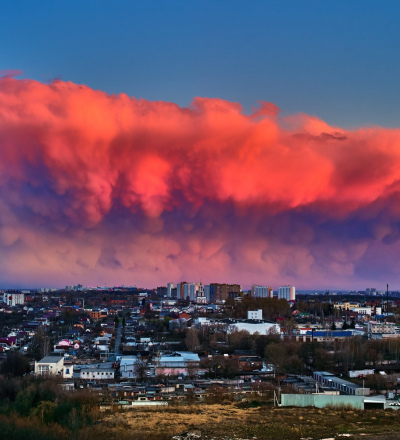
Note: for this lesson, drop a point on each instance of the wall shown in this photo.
(321, 400)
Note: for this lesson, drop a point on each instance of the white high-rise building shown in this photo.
(190, 290)
(12, 299)
(207, 292)
(287, 292)
(170, 286)
(261, 291)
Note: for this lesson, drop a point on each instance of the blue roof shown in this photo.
(332, 333)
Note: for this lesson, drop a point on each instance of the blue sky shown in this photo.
(338, 60)
(101, 190)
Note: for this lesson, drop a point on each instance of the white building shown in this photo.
(202, 320)
(50, 365)
(255, 314)
(380, 330)
(262, 292)
(12, 299)
(97, 373)
(367, 310)
(287, 292)
(127, 367)
(68, 371)
(190, 290)
(262, 328)
(173, 364)
(170, 286)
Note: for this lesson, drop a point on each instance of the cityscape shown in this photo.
(199, 220)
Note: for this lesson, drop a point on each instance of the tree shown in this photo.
(45, 411)
(15, 364)
(241, 340)
(276, 354)
(140, 366)
(376, 382)
(42, 342)
(322, 359)
(191, 370)
(227, 366)
(192, 339)
(263, 340)
(284, 357)
(207, 364)
(289, 325)
(220, 366)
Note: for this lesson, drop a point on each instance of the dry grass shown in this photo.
(230, 421)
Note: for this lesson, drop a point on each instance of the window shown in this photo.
(43, 369)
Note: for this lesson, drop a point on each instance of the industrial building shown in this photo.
(344, 386)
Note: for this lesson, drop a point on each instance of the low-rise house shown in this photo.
(176, 363)
(64, 344)
(127, 367)
(250, 363)
(68, 371)
(97, 372)
(53, 365)
(102, 343)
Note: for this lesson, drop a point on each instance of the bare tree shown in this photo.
(42, 341)
(192, 339)
(140, 366)
(192, 370)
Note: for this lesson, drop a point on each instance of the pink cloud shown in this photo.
(96, 186)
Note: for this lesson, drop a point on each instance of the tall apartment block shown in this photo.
(170, 286)
(287, 292)
(221, 292)
(262, 292)
(12, 299)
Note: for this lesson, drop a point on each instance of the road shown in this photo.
(118, 339)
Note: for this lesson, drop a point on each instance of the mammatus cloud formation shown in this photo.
(111, 189)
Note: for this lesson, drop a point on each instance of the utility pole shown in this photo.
(387, 301)
(363, 387)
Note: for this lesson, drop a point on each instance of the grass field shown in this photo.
(238, 421)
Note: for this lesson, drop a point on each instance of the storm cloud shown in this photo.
(98, 188)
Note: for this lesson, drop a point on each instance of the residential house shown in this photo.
(53, 365)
